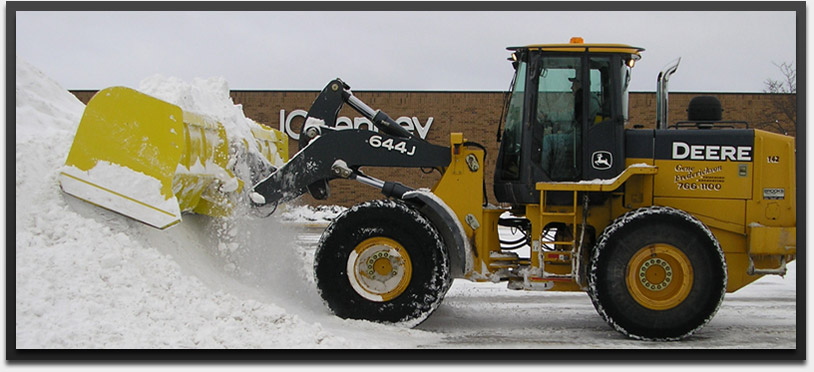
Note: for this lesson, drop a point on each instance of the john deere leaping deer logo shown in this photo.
(602, 160)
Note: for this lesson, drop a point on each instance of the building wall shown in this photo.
(476, 114)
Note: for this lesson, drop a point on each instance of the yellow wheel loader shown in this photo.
(656, 225)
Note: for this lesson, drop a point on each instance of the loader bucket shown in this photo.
(150, 160)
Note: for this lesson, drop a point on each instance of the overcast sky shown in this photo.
(721, 51)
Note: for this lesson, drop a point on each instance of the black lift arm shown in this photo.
(327, 153)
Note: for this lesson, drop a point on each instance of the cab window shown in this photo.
(559, 113)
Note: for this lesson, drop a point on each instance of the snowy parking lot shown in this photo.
(88, 278)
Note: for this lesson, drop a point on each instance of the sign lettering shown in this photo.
(411, 124)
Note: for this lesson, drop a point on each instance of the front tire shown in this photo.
(657, 273)
(382, 261)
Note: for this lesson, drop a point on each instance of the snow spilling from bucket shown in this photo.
(90, 278)
(209, 97)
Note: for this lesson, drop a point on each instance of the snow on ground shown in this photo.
(760, 316)
(90, 278)
(307, 215)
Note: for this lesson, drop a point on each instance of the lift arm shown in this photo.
(327, 153)
(326, 108)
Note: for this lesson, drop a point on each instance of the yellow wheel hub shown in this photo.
(379, 269)
(659, 276)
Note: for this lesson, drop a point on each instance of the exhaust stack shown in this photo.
(661, 94)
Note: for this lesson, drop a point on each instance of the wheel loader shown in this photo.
(655, 225)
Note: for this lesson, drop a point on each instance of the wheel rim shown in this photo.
(379, 269)
(659, 276)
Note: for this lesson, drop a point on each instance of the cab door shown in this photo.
(603, 156)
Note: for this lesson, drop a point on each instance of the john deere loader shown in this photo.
(655, 225)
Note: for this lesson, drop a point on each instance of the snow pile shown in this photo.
(43, 106)
(90, 278)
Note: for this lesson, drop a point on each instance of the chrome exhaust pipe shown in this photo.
(661, 94)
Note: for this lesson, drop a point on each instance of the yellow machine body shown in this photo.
(751, 213)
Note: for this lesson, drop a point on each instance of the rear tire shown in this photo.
(382, 261)
(657, 273)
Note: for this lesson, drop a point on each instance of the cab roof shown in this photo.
(578, 45)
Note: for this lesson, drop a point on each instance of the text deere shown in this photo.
(682, 151)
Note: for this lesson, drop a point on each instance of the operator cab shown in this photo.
(564, 116)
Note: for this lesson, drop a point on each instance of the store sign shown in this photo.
(412, 124)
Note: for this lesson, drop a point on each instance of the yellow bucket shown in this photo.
(152, 161)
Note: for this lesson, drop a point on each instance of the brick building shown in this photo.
(476, 114)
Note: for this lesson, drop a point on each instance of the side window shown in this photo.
(599, 105)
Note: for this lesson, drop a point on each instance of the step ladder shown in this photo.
(573, 246)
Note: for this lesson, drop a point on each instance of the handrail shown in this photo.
(599, 185)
